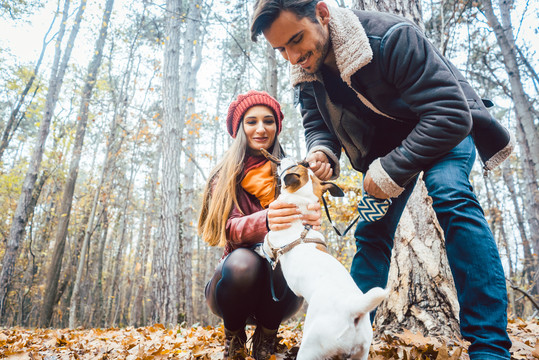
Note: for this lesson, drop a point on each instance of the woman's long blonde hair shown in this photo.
(220, 194)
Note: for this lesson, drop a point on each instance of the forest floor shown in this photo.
(205, 343)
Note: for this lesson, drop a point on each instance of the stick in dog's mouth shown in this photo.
(270, 157)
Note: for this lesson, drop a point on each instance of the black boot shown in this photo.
(264, 343)
(235, 344)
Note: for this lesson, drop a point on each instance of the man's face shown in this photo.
(300, 41)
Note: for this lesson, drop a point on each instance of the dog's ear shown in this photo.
(333, 189)
(270, 157)
(292, 181)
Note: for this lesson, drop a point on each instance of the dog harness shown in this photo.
(276, 252)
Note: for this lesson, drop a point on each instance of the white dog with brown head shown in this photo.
(337, 323)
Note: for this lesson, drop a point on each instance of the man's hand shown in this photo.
(281, 215)
(319, 164)
(372, 189)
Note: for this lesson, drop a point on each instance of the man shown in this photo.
(372, 84)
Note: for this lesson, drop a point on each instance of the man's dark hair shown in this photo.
(267, 11)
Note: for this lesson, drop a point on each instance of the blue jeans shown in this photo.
(471, 251)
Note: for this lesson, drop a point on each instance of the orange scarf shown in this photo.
(259, 181)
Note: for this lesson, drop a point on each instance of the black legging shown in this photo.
(239, 292)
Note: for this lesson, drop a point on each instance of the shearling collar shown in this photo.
(350, 45)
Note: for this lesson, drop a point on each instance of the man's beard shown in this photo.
(322, 49)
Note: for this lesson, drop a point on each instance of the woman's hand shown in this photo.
(281, 215)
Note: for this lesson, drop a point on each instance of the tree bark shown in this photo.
(531, 200)
(423, 295)
(529, 259)
(272, 72)
(408, 9)
(524, 109)
(20, 217)
(138, 314)
(98, 316)
(494, 213)
(192, 60)
(166, 292)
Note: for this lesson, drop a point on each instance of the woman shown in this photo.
(237, 212)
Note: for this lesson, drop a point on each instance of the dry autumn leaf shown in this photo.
(206, 343)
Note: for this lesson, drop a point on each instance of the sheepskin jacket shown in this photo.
(400, 79)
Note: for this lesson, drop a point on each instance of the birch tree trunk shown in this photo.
(138, 316)
(529, 259)
(192, 60)
(410, 9)
(423, 295)
(531, 199)
(166, 291)
(494, 212)
(20, 217)
(527, 129)
(272, 74)
(524, 109)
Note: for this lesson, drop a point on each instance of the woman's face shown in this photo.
(260, 128)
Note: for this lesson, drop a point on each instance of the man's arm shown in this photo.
(324, 149)
(430, 87)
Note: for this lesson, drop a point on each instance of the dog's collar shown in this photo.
(276, 252)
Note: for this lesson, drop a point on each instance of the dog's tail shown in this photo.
(372, 299)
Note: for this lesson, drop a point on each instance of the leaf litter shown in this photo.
(206, 343)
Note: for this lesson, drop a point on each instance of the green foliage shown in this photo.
(10, 189)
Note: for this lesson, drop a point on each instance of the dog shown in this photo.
(337, 323)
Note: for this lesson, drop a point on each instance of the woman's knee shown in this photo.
(242, 266)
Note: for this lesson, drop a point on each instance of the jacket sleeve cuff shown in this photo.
(383, 180)
(501, 155)
(333, 159)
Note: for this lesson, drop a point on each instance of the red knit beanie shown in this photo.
(244, 102)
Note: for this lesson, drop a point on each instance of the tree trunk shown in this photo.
(529, 259)
(408, 9)
(423, 295)
(98, 317)
(115, 288)
(523, 107)
(531, 200)
(192, 60)
(166, 290)
(20, 217)
(272, 73)
(494, 213)
(138, 314)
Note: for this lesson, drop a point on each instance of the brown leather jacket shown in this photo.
(247, 227)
